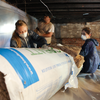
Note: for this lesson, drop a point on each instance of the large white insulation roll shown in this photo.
(36, 74)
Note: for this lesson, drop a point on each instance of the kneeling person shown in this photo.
(22, 37)
(89, 52)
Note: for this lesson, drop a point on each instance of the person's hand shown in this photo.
(40, 34)
(44, 46)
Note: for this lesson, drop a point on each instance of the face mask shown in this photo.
(24, 35)
(83, 37)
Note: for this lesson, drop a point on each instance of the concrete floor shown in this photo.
(88, 89)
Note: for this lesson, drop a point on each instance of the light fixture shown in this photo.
(86, 14)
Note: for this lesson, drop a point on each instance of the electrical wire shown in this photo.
(46, 7)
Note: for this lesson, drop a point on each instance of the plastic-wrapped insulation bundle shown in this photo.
(36, 74)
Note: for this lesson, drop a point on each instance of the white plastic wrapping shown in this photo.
(36, 74)
(88, 88)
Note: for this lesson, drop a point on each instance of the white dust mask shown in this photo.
(24, 35)
(83, 37)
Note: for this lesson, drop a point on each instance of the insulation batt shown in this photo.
(37, 74)
(71, 50)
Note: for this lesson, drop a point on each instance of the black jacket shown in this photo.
(29, 41)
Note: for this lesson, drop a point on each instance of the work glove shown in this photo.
(44, 46)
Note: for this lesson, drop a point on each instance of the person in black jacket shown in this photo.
(24, 38)
(89, 52)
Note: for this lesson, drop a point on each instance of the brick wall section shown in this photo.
(76, 42)
(70, 33)
(73, 41)
(73, 30)
(98, 47)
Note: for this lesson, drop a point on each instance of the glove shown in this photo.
(44, 46)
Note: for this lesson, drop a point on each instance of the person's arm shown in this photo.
(46, 35)
(13, 43)
(85, 50)
(50, 32)
(37, 39)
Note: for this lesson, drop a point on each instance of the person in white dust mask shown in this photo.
(24, 38)
(89, 52)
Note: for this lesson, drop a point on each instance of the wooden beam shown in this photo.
(68, 13)
(59, 1)
(62, 6)
(64, 10)
(97, 18)
(71, 1)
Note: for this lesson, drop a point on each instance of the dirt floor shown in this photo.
(88, 89)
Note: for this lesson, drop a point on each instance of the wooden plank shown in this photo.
(60, 6)
(58, 1)
(97, 18)
(68, 13)
(64, 10)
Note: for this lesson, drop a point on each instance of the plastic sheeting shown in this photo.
(8, 17)
(88, 89)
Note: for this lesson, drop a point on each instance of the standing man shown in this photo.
(46, 28)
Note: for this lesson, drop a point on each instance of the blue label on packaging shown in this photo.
(66, 55)
(22, 66)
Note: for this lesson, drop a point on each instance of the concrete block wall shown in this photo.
(70, 33)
